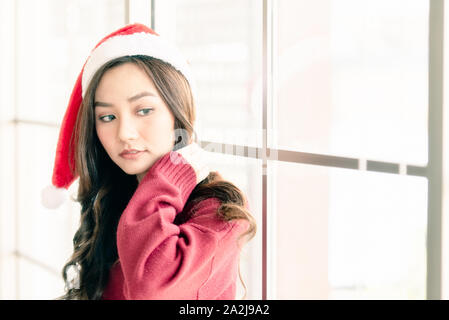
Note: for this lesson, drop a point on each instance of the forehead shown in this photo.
(123, 81)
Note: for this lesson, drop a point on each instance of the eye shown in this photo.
(146, 111)
(101, 118)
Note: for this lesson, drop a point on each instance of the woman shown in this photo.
(155, 222)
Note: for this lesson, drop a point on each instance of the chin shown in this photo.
(130, 168)
(133, 171)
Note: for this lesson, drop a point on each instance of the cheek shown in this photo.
(105, 138)
(150, 134)
(161, 133)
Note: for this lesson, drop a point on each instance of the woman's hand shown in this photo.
(195, 156)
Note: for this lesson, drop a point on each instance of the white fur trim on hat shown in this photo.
(52, 197)
(139, 43)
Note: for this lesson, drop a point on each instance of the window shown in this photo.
(335, 94)
(327, 114)
(350, 80)
(226, 59)
(48, 42)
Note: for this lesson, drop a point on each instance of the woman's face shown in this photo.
(130, 114)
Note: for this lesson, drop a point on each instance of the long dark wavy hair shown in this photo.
(105, 189)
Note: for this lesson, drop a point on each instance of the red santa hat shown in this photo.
(133, 39)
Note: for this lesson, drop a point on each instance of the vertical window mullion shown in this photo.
(152, 15)
(434, 213)
(16, 151)
(270, 144)
(266, 68)
(126, 11)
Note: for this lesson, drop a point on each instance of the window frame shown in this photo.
(433, 171)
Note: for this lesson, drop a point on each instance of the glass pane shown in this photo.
(226, 63)
(245, 173)
(351, 78)
(43, 234)
(7, 60)
(8, 276)
(36, 283)
(356, 234)
(7, 213)
(54, 39)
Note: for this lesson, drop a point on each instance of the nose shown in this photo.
(127, 130)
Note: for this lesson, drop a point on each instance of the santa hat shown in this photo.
(133, 39)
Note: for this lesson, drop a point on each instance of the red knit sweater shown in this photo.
(158, 259)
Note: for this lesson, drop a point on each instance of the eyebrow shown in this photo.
(131, 99)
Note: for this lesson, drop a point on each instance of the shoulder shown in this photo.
(204, 215)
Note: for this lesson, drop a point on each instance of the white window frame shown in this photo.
(433, 171)
(144, 11)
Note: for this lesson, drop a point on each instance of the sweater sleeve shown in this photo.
(159, 259)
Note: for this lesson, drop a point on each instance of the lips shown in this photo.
(131, 155)
(129, 151)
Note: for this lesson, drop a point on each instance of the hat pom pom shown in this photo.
(52, 197)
